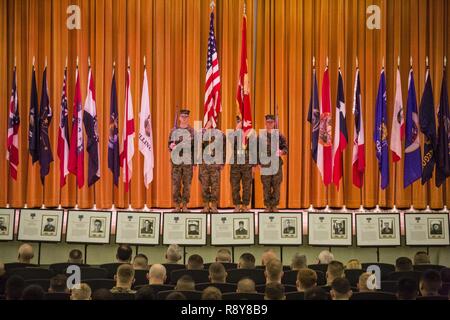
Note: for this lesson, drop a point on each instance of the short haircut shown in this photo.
(211, 293)
(185, 283)
(307, 278)
(157, 271)
(14, 287)
(124, 252)
(83, 292)
(75, 256)
(145, 293)
(431, 281)
(274, 269)
(335, 269)
(247, 261)
(223, 255)
(58, 283)
(299, 262)
(274, 291)
(403, 264)
(176, 296)
(421, 257)
(140, 261)
(33, 292)
(316, 293)
(125, 273)
(353, 264)
(407, 289)
(217, 272)
(102, 295)
(341, 286)
(173, 253)
(195, 262)
(246, 285)
(141, 256)
(325, 257)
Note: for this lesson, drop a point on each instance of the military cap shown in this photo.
(185, 112)
(270, 117)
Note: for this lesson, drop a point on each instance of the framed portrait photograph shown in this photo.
(184, 229)
(427, 229)
(330, 229)
(92, 227)
(280, 229)
(140, 228)
(40, 225)
(378, 229)
(7, 222)
(232, 229)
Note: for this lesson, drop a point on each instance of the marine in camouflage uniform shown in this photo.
(182, 173)
(272, 183)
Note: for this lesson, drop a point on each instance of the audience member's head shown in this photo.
(363, 283)
(316, 293)
(157, 274)
(75, 256)
(140, 262)
(274, 291)
(430, 283)
(14, 288)
(420, 258)
(223, 255)
(102, 295)
(268, 255)
(25, 253)
(185, 283)
(335, 270)
(33, 292)
(407, 289)
(246, 285)
(195, 262)
(353, 264)
(274, 271)
(325, 257)
(306, 279)
(176, 296)
(217, 273)
(211, 293)
(58, 284)
(247, 261)
(173, 254)
(124, 276)
(298, 262)
(145, 293)
(84, 292)
(340, 289)
(403, 264)
(124, 253)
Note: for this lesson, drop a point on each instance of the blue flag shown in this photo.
(314, 116)
(33, 131)
(413, 156)
(113, 143)
(45, 148)
(443, 157)
(381, 132)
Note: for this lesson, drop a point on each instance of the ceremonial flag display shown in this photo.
(12, 153)
(413, 157)
(243, 92)
(127, 153)
(443, 157)
(340, 136)
(91, 127)
(146, 134)
(45, 118)
(113, 141)
(76, 152)
(33, 131)
(381, 132)
(398, 122)
(314, 116)
(359, 152)
(213, 104)
(63, 135)
(428, 128)
(324, 154)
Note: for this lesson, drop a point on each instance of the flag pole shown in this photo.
(66, 61)
(89, 62)
(427, 62)
(398, 62)
(445, 61)
(145, 62)
(357, 63)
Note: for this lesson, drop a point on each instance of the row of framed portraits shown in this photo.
(144, 228)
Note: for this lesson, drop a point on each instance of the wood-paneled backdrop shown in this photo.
(283, 37)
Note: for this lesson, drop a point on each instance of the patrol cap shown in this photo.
(270, 117)
(185, 112)
(50, 219)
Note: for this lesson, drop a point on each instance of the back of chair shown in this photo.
(111, 268)
(199, 276)
(389, 286)
(60, 268)
(287, 288)
(226, 265)
(18, 265)
(96, 284)
(33, 273)
(190, 295)
(445, 290)
(57, 296)
(433, 298)
(373, 296)
(43, 283)
(290, 277)
(156, 287)
(243, 296)
(385, 268)
(425, 267)
(396, 276)
(140, 277)
(93, 273)
(256, 275)
(223, 287)
(353, 275)
(172, 267)
(295, 296)
(123, 296)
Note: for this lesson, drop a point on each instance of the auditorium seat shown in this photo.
(433, 298)
(140, 277)
(385, 268)
(373, 296)
(256, 275)
(2, 297)
(32, 273)
(396, 276)
(172, 267)
(425, 267)
(287, 288)
(328, 288)
(96, 284)
(243, 296)
(93, 273)
(123, 296)
(223, 287)
(285, 268)
(190, 295)
(290, 277)
(57, 296)
(60, 268)
(295, 296)
(43, 283)
(445, 289)
(445, 275)
(226, 265)
(389, 286)
(111, 269)
(319, 267)
(199, 276)
(352, 275)
(18, 265)
(157, 288)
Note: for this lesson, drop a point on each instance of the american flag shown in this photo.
(13, 131)
(213, 103)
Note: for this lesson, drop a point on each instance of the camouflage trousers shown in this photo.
(271, 187)
(181, 183)
(241, 173)
(209, 176)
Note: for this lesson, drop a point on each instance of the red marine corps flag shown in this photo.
(324, 156)
(12, 153)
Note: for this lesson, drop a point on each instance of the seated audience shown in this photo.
(176, 296)
(124, 279)
(25, 254)
(407, 289)
(340, 289)
(173, 254)
(274, 271)
(403, 264)
(430, 283)
(211, 293)
(325, 257)
(246, 285)
(140, 262)
(298, 262)
(185, 283)
(58, 284)
(157, 275)
(217, 273)
(124, 253)
(274, 291)
(83, 292)
(316, 293)
(145, 293)
(75, 257)
(195, 262)
(102, 295)
(3, 278)
(246, 261)
(353, 264)
(268, 255)
(363, 283)
(224, 256)
(14, 288)
(421, 258)
(335, 270)
(306, 279)
(33, 292)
